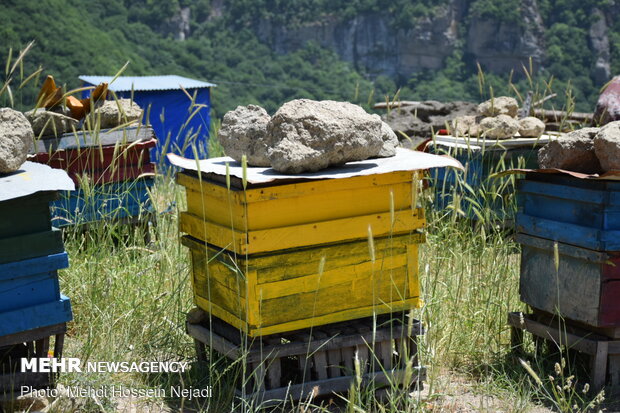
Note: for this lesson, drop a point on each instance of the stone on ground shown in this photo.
(311, 135)
(244, 132)
(607, 146)
(531, 127)
(574, 152)
(16, 139)
(499, 127)
(502, 105)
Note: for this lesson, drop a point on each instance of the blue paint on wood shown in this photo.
(575, 211)
(582, 236)
(41, 315)
(28, 246)
(30, 282)
(563, 203)
(34, 266)
(476, 187)
(29, 290)
(103, 202)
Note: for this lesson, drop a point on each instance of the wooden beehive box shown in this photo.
(102, 164)
(286, 290)
(265, 241)
(581, 212)
(25, 228)
(585, 287)
(30, 294)
(276, 217)
(31, 251)
(111, 201)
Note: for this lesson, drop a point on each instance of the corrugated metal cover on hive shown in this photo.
(127, 83)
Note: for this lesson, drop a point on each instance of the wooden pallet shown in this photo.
(316, 361)
(29, 344)
(604, 352)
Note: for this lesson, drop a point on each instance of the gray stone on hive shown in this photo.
(574, 152)
(531, 127)
(501, 105)
(499, 127)
(311, 135)
(390, 141)
(16, 139)
(244, 132)
(46, 123)
(118, 112)
(607, 146)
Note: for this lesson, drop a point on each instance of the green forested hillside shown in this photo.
(99, 36)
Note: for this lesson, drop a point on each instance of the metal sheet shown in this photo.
(31, 178)
(492, 144)
(138, 83)
(404, 160)
(610, 176)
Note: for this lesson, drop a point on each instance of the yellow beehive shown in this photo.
(299, 288)
(256, 252)
(282, 216)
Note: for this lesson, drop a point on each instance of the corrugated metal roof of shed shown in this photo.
(167, 82)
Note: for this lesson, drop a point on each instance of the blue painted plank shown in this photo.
(37, 316)
(586, 237)
(596, 208)
(560, 179)
(34, 266)
(28, 246)
(26, 291)
(571, 193)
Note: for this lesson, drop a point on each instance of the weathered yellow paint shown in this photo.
(296, 236)
(279, 300)
(412, 265)
(291, 205)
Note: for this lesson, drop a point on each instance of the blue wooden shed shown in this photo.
(177, 124)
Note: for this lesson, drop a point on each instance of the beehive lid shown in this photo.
(475, 143)
(404, 160)
(31, 178)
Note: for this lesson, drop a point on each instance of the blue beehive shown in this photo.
(581, 212)
(105, 202)
(165, 99)
(31, 250)
(476, 186)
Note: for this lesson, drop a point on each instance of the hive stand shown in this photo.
(316, 361)
(604, 352)
(28, 344)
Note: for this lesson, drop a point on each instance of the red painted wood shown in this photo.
(105, 176)
(92, 159)
(611, 269)
(610, 303)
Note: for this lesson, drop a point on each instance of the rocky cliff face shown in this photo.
(599, 42)
(371, 42)
(503, 46)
